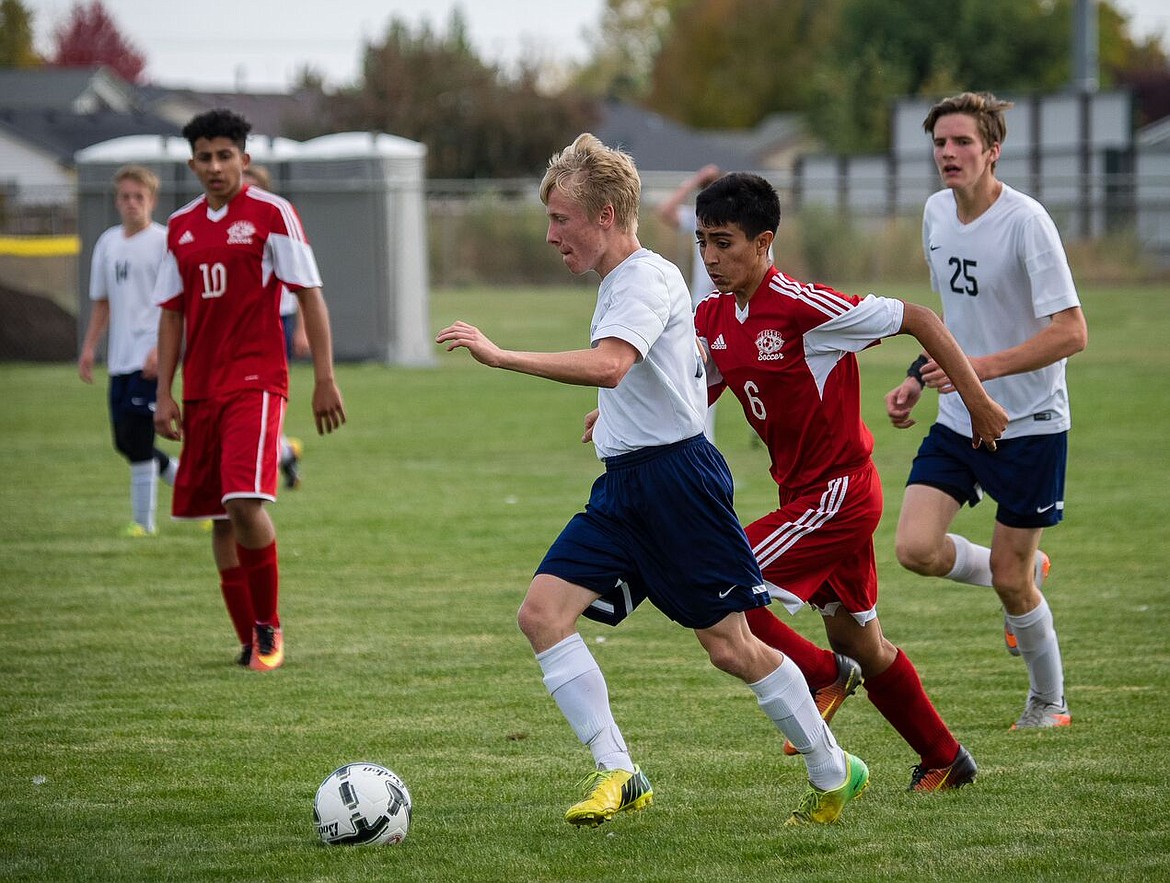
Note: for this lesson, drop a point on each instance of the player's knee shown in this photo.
(721, 657)
(538, 620)
(744, 661)
(916, 556)
(527, 619)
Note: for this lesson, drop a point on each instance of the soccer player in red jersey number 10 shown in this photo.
(228, 253)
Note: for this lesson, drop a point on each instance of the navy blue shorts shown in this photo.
(660, 524)
(131, 399)
(1025, 476)
(132, 395)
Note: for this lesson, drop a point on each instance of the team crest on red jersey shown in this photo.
(769, 343)
(241, 233)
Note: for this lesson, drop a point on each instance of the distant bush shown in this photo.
(495, 239)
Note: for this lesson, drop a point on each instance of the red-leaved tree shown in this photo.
(90, 37)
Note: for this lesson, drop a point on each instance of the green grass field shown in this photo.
(133, 749)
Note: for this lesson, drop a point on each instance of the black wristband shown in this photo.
(915, 370)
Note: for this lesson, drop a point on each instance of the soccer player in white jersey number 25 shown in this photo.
(1008, 296)
(659, 523)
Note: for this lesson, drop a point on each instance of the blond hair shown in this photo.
(259, 175)
(594, 176)
(140, 174)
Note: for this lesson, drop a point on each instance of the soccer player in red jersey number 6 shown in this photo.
(787, 352)
(228, 253)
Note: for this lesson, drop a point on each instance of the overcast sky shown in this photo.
(260, 44)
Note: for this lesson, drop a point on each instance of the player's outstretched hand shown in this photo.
(328, 409)
(461, 334)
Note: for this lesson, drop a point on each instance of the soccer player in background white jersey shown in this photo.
(126, 258)
(1008, 296)
(678, 213)
(659, 522)
(229, 252)
(788, 352)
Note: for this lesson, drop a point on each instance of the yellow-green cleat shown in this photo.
(819, 807)
(608, 792)
(136, 531)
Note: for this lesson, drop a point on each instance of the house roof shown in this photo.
(662, 145)
(270, 113)
(1155, 136)
(61, 134)
(65, 89)
(658, 144)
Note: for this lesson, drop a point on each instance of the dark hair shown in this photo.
(218, 123)
(740, 198)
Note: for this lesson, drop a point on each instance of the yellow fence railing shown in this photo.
(39, 246)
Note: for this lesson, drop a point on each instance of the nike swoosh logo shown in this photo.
(726, 592)
(935, 247)
(1043, 509)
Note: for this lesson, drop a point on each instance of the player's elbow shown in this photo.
(610, 375)
(611, 364)
(1076, 331)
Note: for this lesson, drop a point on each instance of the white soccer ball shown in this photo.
(361, 804)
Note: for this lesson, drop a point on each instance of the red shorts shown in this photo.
(817, 548)
(231, 449)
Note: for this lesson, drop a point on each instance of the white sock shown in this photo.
(785, 698)
(1036, 636)
(574, 680)
(972, 562)
(168, 475)
(144, 492)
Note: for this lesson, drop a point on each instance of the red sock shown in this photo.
(234, 584)
(899, 695)
(819, 666)
(263, 581)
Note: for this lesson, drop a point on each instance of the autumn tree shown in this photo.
(89, 37)
(920, 47)
(730, 63)
(624, 47)
(16, 36)
(476, 121)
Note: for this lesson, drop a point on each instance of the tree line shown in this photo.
(710, 64)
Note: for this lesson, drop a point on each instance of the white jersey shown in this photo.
(123, 272)
(1001, 278)
(663, 397)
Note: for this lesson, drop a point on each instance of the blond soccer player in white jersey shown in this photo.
(126, 258)
(1008, 296)
(659, 523)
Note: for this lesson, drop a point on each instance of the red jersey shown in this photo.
(223, 271)
(789, 357)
